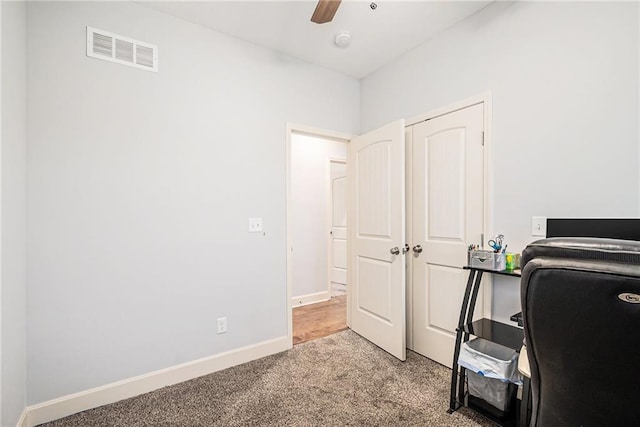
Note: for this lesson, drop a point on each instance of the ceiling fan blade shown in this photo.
(325, 11)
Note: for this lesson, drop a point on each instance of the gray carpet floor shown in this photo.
(339, 380)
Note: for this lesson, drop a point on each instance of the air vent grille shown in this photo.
(144, 56)
(102, 45)
(123, 50)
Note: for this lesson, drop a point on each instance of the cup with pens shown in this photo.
(494, 259)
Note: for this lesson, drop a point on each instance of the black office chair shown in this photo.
(581, 310)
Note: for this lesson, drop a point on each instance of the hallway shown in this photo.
(318, 320)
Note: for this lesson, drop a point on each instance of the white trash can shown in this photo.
(491, 369)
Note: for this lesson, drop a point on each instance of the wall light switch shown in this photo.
(255, 225)
(222, 325)
(539, 226)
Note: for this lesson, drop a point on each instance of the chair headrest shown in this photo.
(589, 248)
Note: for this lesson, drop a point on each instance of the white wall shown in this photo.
(13, 190)
(140, 187)
(564, 78)
(310, 177)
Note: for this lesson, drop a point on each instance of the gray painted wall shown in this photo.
(13, 212)
(140, 187)
(564, 78)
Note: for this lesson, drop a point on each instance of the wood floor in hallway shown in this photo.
(319, 320)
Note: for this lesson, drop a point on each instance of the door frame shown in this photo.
(330, 216)
(483, 98)
(293, 128)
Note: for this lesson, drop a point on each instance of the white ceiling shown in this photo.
(377, 36)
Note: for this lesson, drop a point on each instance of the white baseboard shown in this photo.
(110, 393)
(22, 421)
(310, 299)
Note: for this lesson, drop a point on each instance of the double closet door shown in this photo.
(415, 203)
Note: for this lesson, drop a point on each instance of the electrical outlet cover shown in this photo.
(539, 226)
(255, 225)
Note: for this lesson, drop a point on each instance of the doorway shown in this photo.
(316, 232)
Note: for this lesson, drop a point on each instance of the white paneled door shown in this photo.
(448, 210)
(338, 222)
(376, 207)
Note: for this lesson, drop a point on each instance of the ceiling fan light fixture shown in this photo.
(343, 38)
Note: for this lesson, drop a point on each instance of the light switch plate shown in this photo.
(255, 225)
(222, 325)
(539, 226)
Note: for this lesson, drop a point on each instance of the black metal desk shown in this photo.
(500, 333)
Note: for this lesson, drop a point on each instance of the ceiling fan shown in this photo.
(325, 11)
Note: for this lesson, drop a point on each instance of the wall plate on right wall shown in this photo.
(539, 226)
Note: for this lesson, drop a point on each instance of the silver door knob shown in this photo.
(395, 251)
(405, 249)
(417, 249)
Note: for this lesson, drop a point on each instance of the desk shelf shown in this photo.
(490, 330)
(499, 333)
(512, 273)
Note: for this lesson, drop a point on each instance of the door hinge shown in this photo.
(482, 241)
(483, 138)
